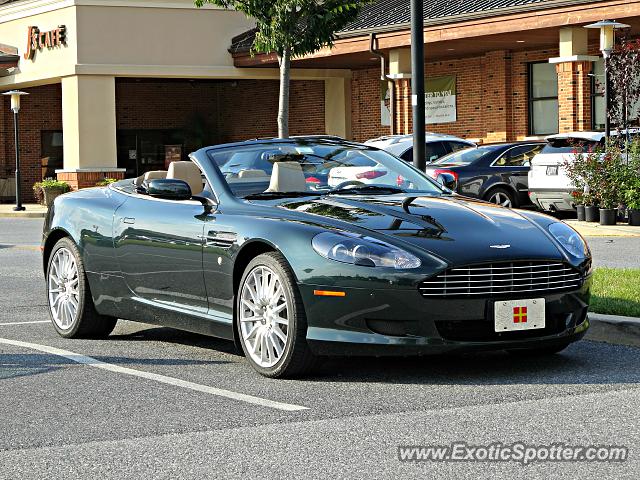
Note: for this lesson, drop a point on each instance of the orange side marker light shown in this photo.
(328, 293)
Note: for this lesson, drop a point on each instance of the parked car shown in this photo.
(437, 145)
(495, 172)
(292, 271)
(549, 187)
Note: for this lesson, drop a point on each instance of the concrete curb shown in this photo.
(614, 329)
(25, 214)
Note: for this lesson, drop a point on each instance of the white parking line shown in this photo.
(24, 323)
(93, 362)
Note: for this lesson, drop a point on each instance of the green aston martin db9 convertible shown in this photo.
(300, 248)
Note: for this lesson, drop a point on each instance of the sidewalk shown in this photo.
(614, 329)
(33, 210)
(589, 229)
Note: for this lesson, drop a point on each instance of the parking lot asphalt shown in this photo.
(152, 402)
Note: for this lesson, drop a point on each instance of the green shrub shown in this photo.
(106, 181)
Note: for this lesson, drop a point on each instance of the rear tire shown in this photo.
(502, 196)
(271, 321)
(71, 307)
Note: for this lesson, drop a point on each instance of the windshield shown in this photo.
(466, 156)
(316, 167)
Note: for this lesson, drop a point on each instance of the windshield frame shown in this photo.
(209, 152)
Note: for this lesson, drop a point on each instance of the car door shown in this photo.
(515, 165)
(432, 152)
(158, 245)
(220, 246)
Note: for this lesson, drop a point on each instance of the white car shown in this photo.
(436, 145)
(549, 187)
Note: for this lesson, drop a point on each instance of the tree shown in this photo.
(292, 28)
(624, 74)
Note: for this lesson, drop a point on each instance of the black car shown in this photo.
(496, 172)
(293, 270)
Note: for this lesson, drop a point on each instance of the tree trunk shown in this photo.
(283, 103)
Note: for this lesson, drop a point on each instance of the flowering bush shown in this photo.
(49, 184)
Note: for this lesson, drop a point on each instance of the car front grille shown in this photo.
(502, 278)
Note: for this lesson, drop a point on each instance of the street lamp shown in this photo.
(15, 107)
(607, 41)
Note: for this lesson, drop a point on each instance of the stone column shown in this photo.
(89, 130)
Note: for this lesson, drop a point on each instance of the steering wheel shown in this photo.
(349, 183)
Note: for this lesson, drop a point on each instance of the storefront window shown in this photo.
(51, 153)
(140, 151)
(543, 99)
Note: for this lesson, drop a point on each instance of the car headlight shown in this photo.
(361, 250)
(569, 239)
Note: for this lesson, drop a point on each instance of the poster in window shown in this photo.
(385, 103)
(440, 99)
(172, 153)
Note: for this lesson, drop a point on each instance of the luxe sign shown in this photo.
(37, 40)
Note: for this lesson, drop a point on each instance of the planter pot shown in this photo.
(580, 211)
(50, 195)
(608, 216)
(634, 218)
(591, 213)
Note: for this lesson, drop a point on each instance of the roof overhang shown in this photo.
(525, 29)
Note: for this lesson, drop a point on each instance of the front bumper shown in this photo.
(402, 322)
(552, 200)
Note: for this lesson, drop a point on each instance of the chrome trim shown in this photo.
(502, 277)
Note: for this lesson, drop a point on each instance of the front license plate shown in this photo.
(511, 315)
(552, 170)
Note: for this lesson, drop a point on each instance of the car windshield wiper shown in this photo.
(272, 195)
(366, 189)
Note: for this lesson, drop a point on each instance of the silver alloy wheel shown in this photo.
(62, 283)
(264, 316)
(500, 198)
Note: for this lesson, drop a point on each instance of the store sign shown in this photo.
(37, 40)
(440, 99)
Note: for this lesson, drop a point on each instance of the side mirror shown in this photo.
(447, 180)
(167, 188)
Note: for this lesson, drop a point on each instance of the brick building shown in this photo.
(132, 83)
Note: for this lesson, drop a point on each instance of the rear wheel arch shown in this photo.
(53, 238)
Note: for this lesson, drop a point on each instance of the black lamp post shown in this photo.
(15, 107)
(607, 42)
(417, 83)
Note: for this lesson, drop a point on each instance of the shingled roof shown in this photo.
(394, 13)
(384, 15)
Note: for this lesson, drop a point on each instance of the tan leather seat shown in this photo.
(188, 172)
(287, 177)
(155, 174)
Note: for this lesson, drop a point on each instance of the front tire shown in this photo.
(271, 320)
(71, 307)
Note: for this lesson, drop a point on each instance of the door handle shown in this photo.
(129, 220)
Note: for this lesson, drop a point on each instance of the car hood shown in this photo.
(457, 229)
